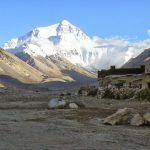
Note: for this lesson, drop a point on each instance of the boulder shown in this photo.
(78, 103)
(88, 91)
(92, 91)
(146, 117)
(122, 116)
(137, 120)
(65, 95)
(73, 106)
(82, 90)
(57, 103)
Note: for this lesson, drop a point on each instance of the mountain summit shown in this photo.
(66, 41)
(58, 52)
(62, 39)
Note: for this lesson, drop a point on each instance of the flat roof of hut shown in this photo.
(121, 71)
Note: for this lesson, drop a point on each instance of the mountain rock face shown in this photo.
(43, 47)
(39, 69)
(55, 66)
(141, 59)
(60, 40)
(57, 52)
(64, 40)
(12, 66)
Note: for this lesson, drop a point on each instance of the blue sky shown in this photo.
(104, 18)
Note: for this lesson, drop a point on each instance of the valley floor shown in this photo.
(27, 124)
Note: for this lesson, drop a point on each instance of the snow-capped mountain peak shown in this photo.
(65, 22)
(70, 42)
(63, 39)
(66, 27)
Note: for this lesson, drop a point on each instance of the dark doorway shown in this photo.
(148, 85)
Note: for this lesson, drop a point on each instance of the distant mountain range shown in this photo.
(62, 52)
(60, 40)
(66, 41)
(141, 59)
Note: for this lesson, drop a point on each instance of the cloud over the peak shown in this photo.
(117, 51)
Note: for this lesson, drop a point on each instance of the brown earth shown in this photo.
(27, 124)
(38, 70)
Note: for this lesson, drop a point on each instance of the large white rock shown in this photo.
(73, 106)
(56, 103)
(137, 120)
(146, 117)
(122, 116)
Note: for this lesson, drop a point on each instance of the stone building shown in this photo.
(146, 80)
(124, 77)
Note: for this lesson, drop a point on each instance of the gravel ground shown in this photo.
(27, 124)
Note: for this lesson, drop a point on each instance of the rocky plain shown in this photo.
(26, 123)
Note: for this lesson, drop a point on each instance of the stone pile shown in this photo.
(88, 91)
(65, 101)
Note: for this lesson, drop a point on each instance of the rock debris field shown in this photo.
(26, 123)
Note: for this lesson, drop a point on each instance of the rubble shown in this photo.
(65, 101)
(146, 117)
(88, 91)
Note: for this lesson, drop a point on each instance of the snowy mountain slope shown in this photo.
(55, 67)
(63, 39)
(67, 41)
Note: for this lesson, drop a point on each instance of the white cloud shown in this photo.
(117, 51)
(148, 32)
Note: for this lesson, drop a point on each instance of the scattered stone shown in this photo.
(68, 94)
(92, 91)
(79, 103)
(73, 106)
(61, 103)
(88, 91)
(146, 117)
(82, 90)
(65, 95)
(57, 103)
(137, 120)
(76, 94)
(62, 95)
